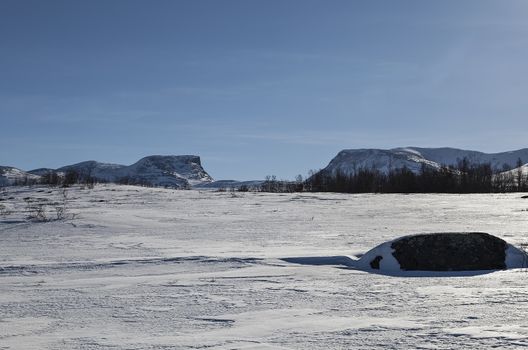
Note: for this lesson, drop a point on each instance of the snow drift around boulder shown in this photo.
(436, 254)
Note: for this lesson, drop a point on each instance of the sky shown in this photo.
(256, 88)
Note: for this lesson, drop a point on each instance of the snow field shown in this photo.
(143, 268)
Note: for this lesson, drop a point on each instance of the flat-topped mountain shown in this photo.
(171, 171)
(166, 171)
(414, 158)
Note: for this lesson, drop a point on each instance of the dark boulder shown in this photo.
(450, 252)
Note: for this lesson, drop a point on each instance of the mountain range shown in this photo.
(165, 171)
(186, 171)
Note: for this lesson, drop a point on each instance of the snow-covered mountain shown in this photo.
(514, 173)
(11, 176)
(181, 171)
(450, 156)
(171, 171)
(413, 158)
(91, 168)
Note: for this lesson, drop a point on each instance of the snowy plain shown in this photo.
(147, 268)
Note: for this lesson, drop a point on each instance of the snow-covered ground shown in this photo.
(143, 268)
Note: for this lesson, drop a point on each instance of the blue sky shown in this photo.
(258, 87)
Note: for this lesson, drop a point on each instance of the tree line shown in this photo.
(465, 177)
(54, 179)
(73, 177)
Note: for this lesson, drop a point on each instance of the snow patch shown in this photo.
(387, 263)
(515, 258)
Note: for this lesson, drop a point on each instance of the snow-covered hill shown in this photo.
(413, 158)
(11, 176)
(101, 171)
(523, 169)
(451, 156)
(171, 171)
(42, 171)
(516, 174)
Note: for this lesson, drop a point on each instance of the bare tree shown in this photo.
(61, 206)
(519, 175)
(36, 210)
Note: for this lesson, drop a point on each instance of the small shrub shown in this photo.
(4, 211)
(61, 207)
(60, 211)
(37, 212)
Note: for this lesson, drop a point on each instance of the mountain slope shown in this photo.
(180, 171)
(42, 171)
(91, 168)
(450, 156)
(413, 158)
(11, 176)
(517, 174)
(168, 171)
(352, 160)
(172, 171)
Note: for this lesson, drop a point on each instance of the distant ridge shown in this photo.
(185, 171)
(180, 171)
(414, 158)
